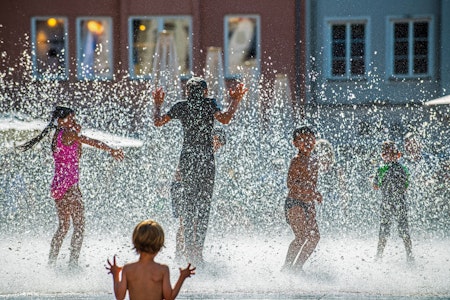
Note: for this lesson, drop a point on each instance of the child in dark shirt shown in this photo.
(177, 193)
(197, 115)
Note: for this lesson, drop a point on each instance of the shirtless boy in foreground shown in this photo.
(146, 279)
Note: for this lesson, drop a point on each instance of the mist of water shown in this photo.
(248, 236)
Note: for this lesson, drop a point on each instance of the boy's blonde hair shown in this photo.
(148, 236)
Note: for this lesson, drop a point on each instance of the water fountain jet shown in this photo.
(248, 234)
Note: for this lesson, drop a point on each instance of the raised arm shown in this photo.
(236, 97)
(158, 99)
(75, 136)
(170, 293)
(120, 285)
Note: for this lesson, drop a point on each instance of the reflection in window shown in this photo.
(49, 53)
(348, 49)
(143, 37)
(242, 45)
(94, 48)
(411, 48)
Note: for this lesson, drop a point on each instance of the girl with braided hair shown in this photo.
(66, 150)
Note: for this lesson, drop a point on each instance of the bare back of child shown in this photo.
(145, 278)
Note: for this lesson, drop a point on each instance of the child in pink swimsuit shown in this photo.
(66, 167)
(66, 148)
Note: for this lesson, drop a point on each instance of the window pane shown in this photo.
(401, 48)
(357, 63)
(411, 55)
(95, 50)
(338, 50)
(357, 67)
(420, 66)
(338, 67)
(181, 31)
(357, 31)
(144, 41)
(421, 30)
(421, 48)
(49, 45)
(243, 46)
(401, 30)
(338, 32)
(357, 49)
(345, 63)
(145, 35)
(401, 66)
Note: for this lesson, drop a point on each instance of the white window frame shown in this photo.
(390, 57)
(110, 56)
(160, 21)
(328, 40)
(35, 72)
(228, 75)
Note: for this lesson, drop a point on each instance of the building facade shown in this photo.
(364, 52)
(371, 66)
(370, 61)
(106, 41)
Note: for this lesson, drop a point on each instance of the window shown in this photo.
(144, 32)
(411, 48)
(49, 47)
(348, 49)
(94, 48)
(242, 44)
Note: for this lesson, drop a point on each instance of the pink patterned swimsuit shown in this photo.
(66, 167)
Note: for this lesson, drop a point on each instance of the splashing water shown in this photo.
(248, 236)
